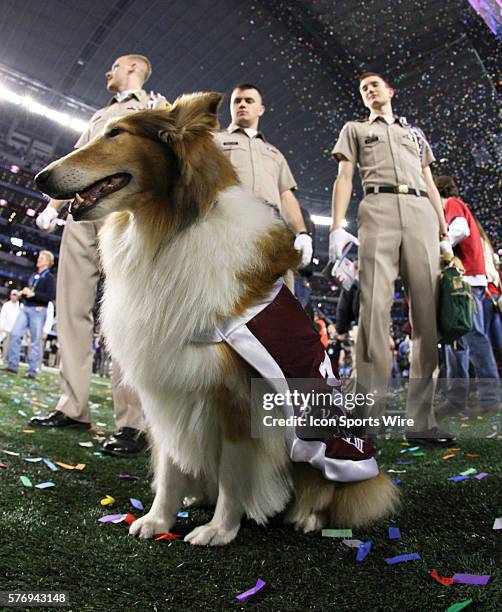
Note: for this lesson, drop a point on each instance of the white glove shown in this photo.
(46, 220)
(446, 250)
(303, 243)
(338, 240)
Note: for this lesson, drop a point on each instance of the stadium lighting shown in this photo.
(30, 212)
(14, 169)
(18, 242)
(10, 96)
(3, 202)
(33, 106)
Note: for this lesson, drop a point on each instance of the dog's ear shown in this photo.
(192, 114)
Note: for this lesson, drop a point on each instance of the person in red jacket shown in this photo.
(474, 347)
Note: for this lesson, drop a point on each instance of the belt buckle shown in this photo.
(402, 189)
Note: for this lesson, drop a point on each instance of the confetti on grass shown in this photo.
(469, 472)
(336, 533)
(33, 459)
(135, 503)
(26, 481)
(128, 477)
(402, 558)
(249, 593)
(458, 478)
(112, 518)
(2, 465)
(394, 533)
(50, 465)
(481, 475)
(498, 523)
(352, 543)
(476, 579)
(363, 551)
(456, 607)
(45, 485)
(182, 515)
(107, 501)
(441, 579)
(167, 536)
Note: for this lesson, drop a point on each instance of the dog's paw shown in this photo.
(149, 525)
(211, 535)
(311, 522)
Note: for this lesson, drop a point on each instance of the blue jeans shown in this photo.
(474, 347)
(32, 318)
(493, 323)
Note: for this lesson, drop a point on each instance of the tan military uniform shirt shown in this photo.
(137, 100)
(386, 154)
(261, 167)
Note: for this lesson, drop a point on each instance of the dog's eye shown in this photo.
(114, 132)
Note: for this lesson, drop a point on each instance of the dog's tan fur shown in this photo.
(184, 247)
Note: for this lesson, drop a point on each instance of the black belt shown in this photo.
(399, 189)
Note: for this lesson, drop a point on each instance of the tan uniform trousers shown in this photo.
(398, 235)
(77, 280)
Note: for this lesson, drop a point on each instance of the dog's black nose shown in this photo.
(42, 178)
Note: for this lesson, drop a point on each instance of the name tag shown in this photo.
(371, 139)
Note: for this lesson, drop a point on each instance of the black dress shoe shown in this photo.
(9, 370)
(431, 437)
(125, 441)
(57, 418)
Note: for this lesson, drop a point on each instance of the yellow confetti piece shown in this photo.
(28, 431)
(107, 501)
(80, 466)
(453, 449)
(405, 443)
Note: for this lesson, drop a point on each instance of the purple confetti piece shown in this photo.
(135, 503)
(481, 475)
(247, 594)
(363, 551)
(128, 477)
(45, 485)
(471, 579)
(396, 481)
(402, 558)
(404, 462)
(394, 533)
(50, 465)
(458, 478)
(112, 518)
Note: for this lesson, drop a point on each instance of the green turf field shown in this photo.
(51, 540)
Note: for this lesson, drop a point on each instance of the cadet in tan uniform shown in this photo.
(77, 280)
(261, 167)
(402, 230)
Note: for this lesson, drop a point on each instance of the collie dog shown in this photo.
(184, 248)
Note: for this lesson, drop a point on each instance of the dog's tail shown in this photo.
(357, 504)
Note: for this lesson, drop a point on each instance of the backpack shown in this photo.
(456, 306)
